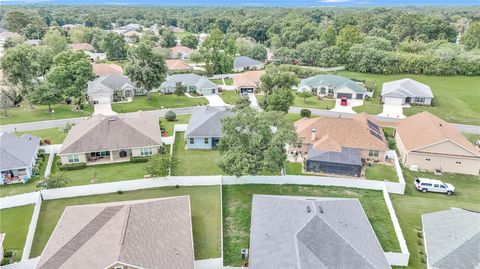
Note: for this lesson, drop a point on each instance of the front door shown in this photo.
(215, 141)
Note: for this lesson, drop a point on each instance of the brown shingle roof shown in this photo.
(182, 49)
(106, 69)
(248, 79)
(155, 233)
(333, 133)
(177, 65)
(425, 129)
(81, 46)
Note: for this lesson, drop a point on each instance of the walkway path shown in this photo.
(253, 101)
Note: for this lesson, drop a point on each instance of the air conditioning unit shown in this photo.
(244, 253)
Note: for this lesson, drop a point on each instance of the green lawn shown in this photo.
(157, 102)
(55, 135)
(410, 206)
(313, 102)
(293, 117)
(181, 35)
(237, 203)
(14, 224)
(40, 113)
(381, 172)
(294, 169)
(169, 125)
(205, 206)
(472, 137)
(228, 81)
(217, 81)
(456, 98)
(230, 97)
(194, 162)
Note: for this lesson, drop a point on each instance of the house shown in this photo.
(452, 239)
(95, 56)
(290, 232)
(81, 46)
(109, 139)
(193, 82)
(132, 36)
(334, 86)
(111, 88)
(204, 128)
(106, 69)
(202, 37)
(122, 30)
(429, 143)
(406, 91)
(243, 63)
(247, 82)
(177, 65)
(18, 156)
(339, 145)
(154, 234)
(181, 52)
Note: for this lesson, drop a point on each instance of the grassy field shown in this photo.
(205, 206)
(169, 125)
(230, 97)
(294, 169)
(456, 98)
(14, 224)
(157, 102)
(194, 162)
(55, 135)
(237, 203)
(40, 113)
(410, 206)
(313, 102)
(381, 172)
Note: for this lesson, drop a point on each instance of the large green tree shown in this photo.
(218, 52)
(55, 40)
(190, 41)
(48, 94)
(36, 29)
(258, 52)
(17, 20)
(349, 36)
(471, 38)
(168, 39)
(114, 46)
(275, 79)
(159, 165)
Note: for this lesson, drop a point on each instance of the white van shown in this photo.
(433, 185)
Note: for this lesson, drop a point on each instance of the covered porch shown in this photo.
(12, 176)
(108, 156)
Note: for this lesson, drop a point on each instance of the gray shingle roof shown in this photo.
(244, 61)
(17, 152)
(155, 234)
(207, 122)
(190, 80)
(108, 84)
(333, 81)
(334, 234)
(452, 239)
(406, 88)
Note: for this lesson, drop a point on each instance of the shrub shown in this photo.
(162, 149)
(139, 159)
(170, 116)
(68, 101)
(120, 192)
(41, 153)
(35, 170)
(8, 254)
(57, 180)
(5, 261)
(72, 166)
(305, 113)
(81, 106)
(47, 141)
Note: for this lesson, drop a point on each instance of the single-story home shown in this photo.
(128, 28)
(177, 65)
(108, 139)
(18, 156)
(293, 232)
(81, 46)
(452, 239)
(426, 142)
(406, 91)
(153, 233)
(181, 52)
(247, 82)
(106, 69)
(335, 86)
(204, 128)
(339, 145)
(193, 82)
(111, 88)
(243, 63)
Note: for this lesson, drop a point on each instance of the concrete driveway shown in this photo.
(351, 103)
(392, 111)
(253, 101)
(104, 109)
(215, 100)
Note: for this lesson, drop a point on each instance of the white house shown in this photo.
(204, 129)
(243, 63)
(333, 85)
(406, 91)
(111, 88)
(192, 82)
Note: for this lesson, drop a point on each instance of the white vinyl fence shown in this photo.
(31, 228)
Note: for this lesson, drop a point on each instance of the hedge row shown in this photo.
(72, 166)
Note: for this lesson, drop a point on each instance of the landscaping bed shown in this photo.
(158, 101)
(14, 223)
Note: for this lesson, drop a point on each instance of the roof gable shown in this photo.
(446, 147)
(406, 87)
(206, 122)
(332, 81)
(244, 61)
(17, 152)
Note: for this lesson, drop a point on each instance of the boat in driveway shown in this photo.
(433, 185)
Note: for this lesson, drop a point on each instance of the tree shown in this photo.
(114, 46)
(196, 57)
(170, 116)
(305, 113)
(279, 100)
(35, 29)
(17, 20)
(55, 40)
(471, 38)
(180, 89)
(190, 41)
(168, 39)
(243, 45)
(258, 52)
(242, 103)
(145, 67)
(70, 72)
(5, 101)
(13, 41)
(275, 79)
(159, 165)
(329, 36)
(218, 52)
(254, 141)
(46, 94)
(305, 95)
(349, 36)
(44, 58)
(57, 180)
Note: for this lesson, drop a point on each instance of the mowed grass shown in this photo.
(456, 98)
(294, 169)
(381, 172)
(205, 207)
(40, 113)
(194, 162)
(313, 102)
(237, 205)
(217, 81)
(55, 135)
(14, 224)
(413, 204)
(169, 125)
(158, 101)
(230, 97)
(472, 137)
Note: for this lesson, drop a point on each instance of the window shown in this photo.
(458, 162)
(419, 100)
(73, 159)
(205, 140)
(100, 154)
(192, 141)
(436, 185)
(146, 151)
(118, 267)
(428, 159)
(373, 153)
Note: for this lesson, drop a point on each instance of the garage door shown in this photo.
(102, 99)
(393, 101)
(246, 90)
(359, 96)
(348, 95)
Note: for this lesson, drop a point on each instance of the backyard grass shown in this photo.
(194, 162)
(157, 102)
(456, 98)
(230, 97)
(294, 169)
(228, 81)
(55, 135)
(14, 224)
(313, 102)
(410, 206)
(472, 137)
(217, 81)
(205, 207)
(40, 113)
(237, 204)
(381, 172)
(169, 125)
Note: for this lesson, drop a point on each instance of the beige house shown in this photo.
(108, 139)
(248, 82)
(430, 143)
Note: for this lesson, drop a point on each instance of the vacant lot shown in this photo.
(158, 101)
(40, 113)
(205, 206)
(55, 135)
(14, 224)
(237, 204)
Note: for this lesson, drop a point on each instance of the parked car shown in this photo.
(433, 185)
(343, 101)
